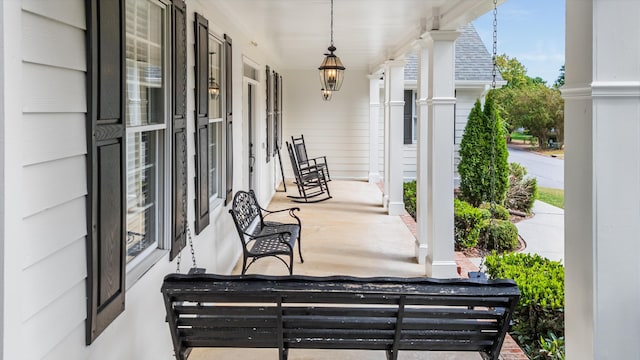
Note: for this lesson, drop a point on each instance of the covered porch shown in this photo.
(352, 235)
(50, 101)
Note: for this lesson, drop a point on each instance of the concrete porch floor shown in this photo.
(349, 234)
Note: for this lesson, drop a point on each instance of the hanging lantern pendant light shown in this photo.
(331, 69)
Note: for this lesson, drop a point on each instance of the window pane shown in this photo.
(214, 159)
(145, 94)
(142, 191)
(215, 79)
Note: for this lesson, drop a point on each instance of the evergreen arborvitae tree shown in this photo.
(501, 155)
(483, 130)
(472, 167)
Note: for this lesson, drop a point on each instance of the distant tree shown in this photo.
(512, 71)
(560, 81)
(483, 166)
(529, 103)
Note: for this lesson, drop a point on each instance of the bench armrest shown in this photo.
(290, 210)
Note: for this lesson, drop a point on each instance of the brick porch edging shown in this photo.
(510, 349)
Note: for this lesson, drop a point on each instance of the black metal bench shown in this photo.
(338, 312)
(261, 238)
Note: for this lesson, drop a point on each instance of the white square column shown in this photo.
(423, 181)
(374, 118)
(395, 103)
(385, 165)
(441, 103)
(602, 179)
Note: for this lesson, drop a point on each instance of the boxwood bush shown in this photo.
(540, 311)
(498, 235)
(409, 197)
(499, 212)
(467, 223)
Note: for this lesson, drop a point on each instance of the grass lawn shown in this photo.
(556, 153)
(523, 138)
(551, 196)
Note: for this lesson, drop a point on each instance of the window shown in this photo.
(216, 145)
(128, 137)
(414, 101)
(409, 115)
(146, 111)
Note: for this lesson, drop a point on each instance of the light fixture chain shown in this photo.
(331, 22)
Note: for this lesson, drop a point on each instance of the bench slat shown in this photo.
(208, 322)
(409, 335)
(237, 310)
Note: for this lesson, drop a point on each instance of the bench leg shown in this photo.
(244, 264)
(392, 355)
(283, 353)
(291, 263)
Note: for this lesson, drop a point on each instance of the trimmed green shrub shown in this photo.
(540, 310)
(483, 156)
(498, 235)
(409, 197)
(522, 191)
(499, 212)
(467, 224)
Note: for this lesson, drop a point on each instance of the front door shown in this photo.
(250, 121)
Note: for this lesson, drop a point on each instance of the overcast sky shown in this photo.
(531, 31)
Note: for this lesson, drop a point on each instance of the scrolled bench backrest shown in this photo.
(245, 210)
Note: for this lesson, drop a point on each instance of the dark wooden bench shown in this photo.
(261, 238)
(338, 312)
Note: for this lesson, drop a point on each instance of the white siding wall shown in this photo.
(53, 159)
(338, 129)
(44, 189)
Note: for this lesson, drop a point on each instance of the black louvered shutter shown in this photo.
(106, 241)
(228, 86)
(280, 87)
(269, 96)
(179, 115)
(202, 122)
(408, 117)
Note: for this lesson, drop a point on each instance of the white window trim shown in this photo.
(139, 266)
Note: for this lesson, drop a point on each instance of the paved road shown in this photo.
(549, 171)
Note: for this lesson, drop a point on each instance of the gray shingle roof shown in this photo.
(473, 61)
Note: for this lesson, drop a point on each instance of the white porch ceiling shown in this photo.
(366, 32)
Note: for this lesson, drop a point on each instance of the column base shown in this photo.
(374, 178)
(396, 208)
(385, 201)
(421, 253)
(442, 269)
